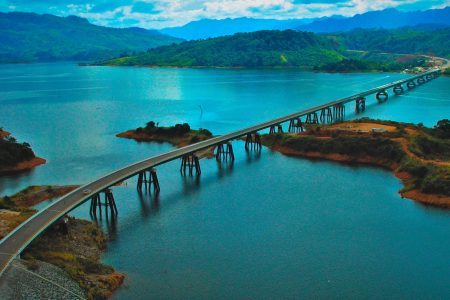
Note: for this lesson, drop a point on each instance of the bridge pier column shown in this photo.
(420, 80)
(148, 181)
(428, 77)
(109, 201)
(326, 116)
(312, 118)
(382, 96)
(398, 89)
(253, 142)
(276, 129)
(225, 151)
(411, 84)
(360, 105)
(339, 112)
(190, 163)
(296, 125)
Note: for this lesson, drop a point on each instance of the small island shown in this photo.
(66, 252)
(179, 135)
(16, 157)
(419, 156)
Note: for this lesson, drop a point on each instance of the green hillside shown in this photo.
(419, 40)
(256, 49)
(29, 37)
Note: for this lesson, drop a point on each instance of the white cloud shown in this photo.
(166, 13)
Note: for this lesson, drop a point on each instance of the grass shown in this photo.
(429, 170)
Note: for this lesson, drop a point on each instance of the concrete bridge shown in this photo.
(15, 242)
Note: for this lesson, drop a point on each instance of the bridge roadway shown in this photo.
(15, 242)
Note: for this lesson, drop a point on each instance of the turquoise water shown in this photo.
(268, 226)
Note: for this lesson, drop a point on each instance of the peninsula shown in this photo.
(16, 157)
(74, 247)
(419, 156)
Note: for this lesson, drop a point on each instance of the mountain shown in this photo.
(418, 39)
(29, 37)
(266, 48)
(208, 28)
(388, 18)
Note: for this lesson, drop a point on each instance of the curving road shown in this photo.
(15, 242)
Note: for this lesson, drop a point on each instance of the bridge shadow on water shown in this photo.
(152, 203)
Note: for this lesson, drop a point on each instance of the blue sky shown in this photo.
(166, 13)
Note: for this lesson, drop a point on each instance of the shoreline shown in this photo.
(176, 141)
(413, 195)
(23, 166)
(75, 246)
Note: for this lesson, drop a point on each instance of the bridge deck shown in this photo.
(14, 243)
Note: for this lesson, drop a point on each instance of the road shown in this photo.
(15, 242)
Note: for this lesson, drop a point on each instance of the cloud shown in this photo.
(166, 13)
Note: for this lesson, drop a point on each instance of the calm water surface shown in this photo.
(268, 226)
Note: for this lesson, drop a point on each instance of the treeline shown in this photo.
(152, 128)
(12, 152)
(355, 65)
(268, 48)
(30, 37)
(419, 40)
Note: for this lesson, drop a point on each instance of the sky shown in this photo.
(157, 14)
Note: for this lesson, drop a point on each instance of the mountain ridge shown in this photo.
(31, 37)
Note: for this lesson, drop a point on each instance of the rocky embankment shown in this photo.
(419, 156)
(16, 157)
(61, 262)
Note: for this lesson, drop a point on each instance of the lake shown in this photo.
(267, 226)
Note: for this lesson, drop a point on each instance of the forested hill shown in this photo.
(29, 37)
(418, 39)
(266, 48)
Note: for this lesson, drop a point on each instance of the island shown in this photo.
(67, 253)
(16, 157)
(419, 156)
(179, 135)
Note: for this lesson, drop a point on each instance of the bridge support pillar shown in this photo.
(326, 116)
(190, 163)
(253, 142)
(360, 105)
(276, 129)
(339, 112)
(147, 180)
(312, 118)
(411, 84)
(108, 202)
(296, 125)
(420, 80)
(428, 77)
(398, 89)
(382, 96)
(225, 151)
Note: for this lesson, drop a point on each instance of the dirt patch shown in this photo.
(364, 127)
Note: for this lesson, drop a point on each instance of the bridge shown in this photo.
(15, 242)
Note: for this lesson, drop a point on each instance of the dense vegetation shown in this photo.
(29, 37)
(179, 135)
(12, 152)
(355, 65)
(257, 49)
(419, 39)
(385, 150)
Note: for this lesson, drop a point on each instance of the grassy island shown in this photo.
(419, 156)
(76, 251)
(16, 157)
(179, 135)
